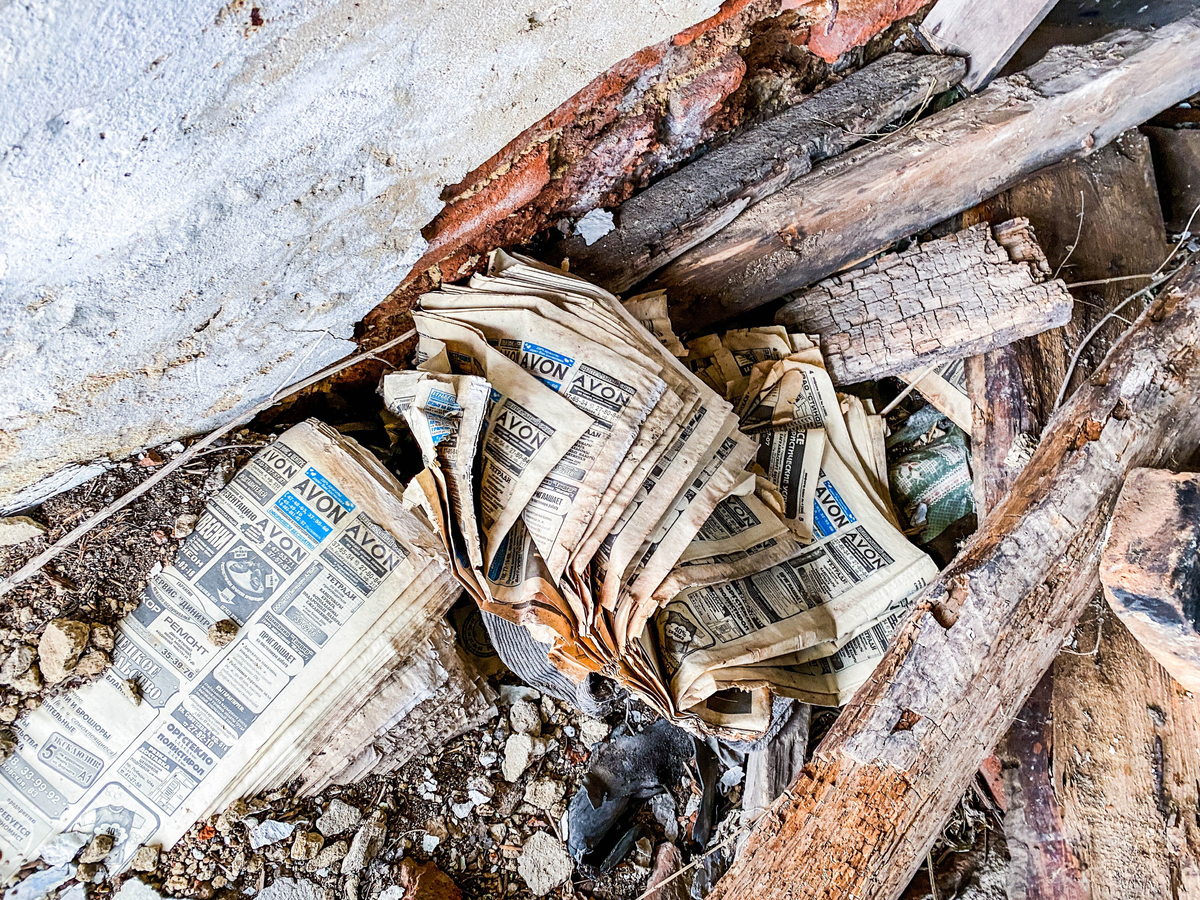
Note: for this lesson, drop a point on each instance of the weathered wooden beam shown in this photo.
(946, 299)
(1150, 569)
(1013, 391)
(986, 35)
(862, 815)
(679, 212)
(847, 209)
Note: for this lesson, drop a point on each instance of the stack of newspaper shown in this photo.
(707, 524)
(338, 590)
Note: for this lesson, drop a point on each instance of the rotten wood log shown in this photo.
(848, 209)
(982, 33)
(946, 299)
(1150, 570)
(678, 212)
(861, 817)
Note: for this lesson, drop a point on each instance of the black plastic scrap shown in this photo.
(622, 774)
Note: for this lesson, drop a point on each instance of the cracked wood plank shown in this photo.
(946, 299)
(850, 208)
(863, 813)
(981, 32)
(677, 213)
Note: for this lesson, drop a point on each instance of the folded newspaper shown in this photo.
(709, 524)
(342, 665)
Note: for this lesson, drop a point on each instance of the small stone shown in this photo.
(91, 873)
(223, 632)
(592, 732)
(544, 793)
(8, 714)
(429, 842)
(145, 858)
(269, 832)
(19, 529)
(97, 849)
(132, 689)
(292, 889)
(425, 881)
(103, 637)
(185, 524)
(643, 852)
(518, 750)
(59, 648)
(92, 663)
(176, 884)
(525, 718)
(329, 855)
(367, 842)
(306, 845)
(8, 743)
(29, 682)
(662, 807)
(136, 889)
(544, 863)
(17, 663)
(339, 816)
(498, 832)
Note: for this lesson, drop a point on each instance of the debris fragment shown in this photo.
(338, 817)
(425, 881)
(544, 863)
(222, 632)
(270, 832)
(19, 529)
(145, 858)
(594, 225)
(292, 889)
(97, 849)
(59, 648)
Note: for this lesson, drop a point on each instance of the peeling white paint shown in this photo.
(186, 197)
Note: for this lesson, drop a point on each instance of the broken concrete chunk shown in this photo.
(136, 889)
(292, 889)
(329, 855)
(92, 663)
(145, 858)
(544, 793)
(29, 681)
(518, 750)
(338, 817)
(367, 842)
(103, 637)
(1150, 569)
(306, 845)
(525, 718)
(544, 863)
(60, 646)
(592, 731)
(19, 529)
(223, 632)
(269, 832)
(17, 663)
(97, 849)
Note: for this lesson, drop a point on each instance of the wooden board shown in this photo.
(1126, 763)
(1177, 162)
(987, 35)
(1074, 101)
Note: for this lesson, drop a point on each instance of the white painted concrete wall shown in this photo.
(194, 210)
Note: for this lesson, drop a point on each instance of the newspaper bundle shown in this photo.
(338, 590)
(708, 524)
